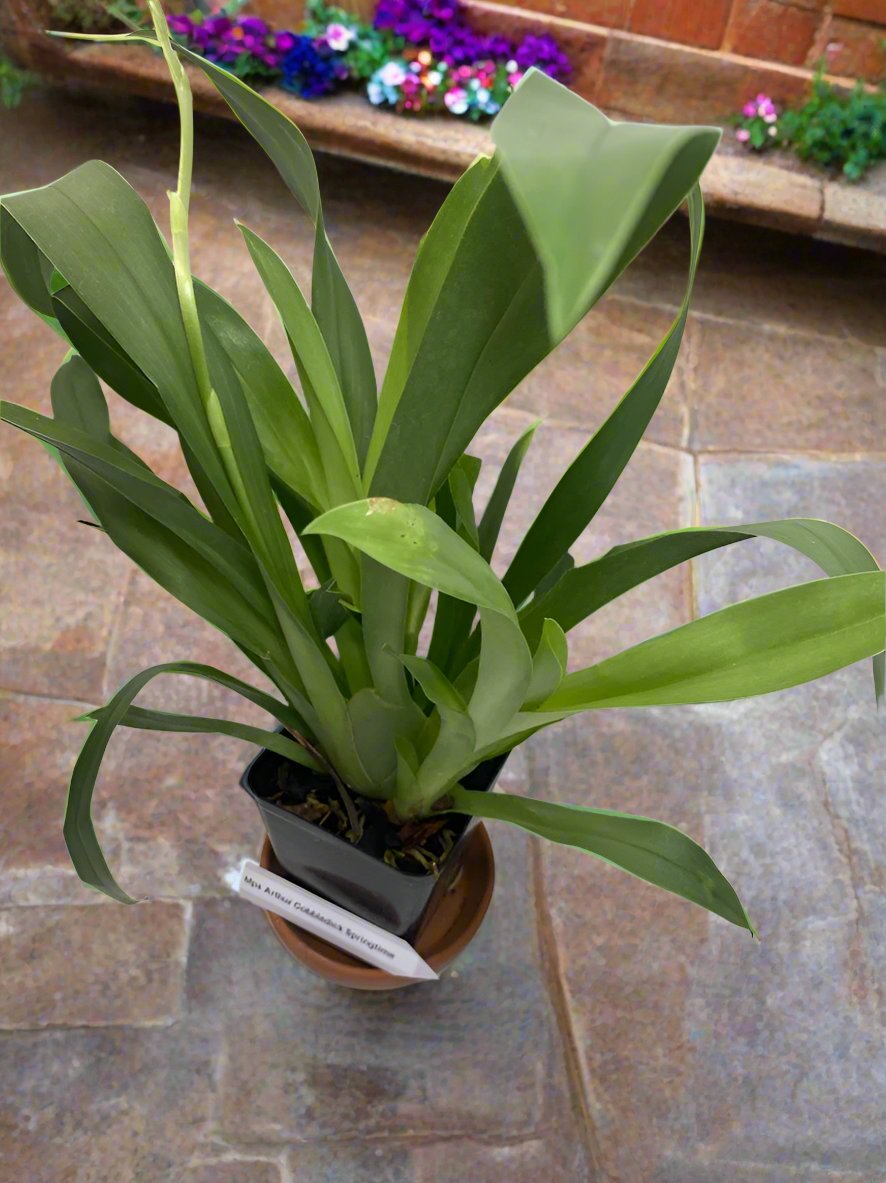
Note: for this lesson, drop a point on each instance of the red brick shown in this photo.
(685, 21)
(584, 46)
(770, 30)
(683, 85)
(611, 13)
(861, 10)
(853, 49)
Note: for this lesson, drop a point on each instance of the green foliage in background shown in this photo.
(845, 132)
(94, 16)
(369, 50)
(379, 485)
(13, 82)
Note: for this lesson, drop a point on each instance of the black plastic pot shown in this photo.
(344, 874)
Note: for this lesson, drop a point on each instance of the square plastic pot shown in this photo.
(346, 875)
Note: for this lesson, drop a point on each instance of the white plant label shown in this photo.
(337, 925)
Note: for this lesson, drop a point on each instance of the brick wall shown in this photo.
(848, 33)
(795, 33)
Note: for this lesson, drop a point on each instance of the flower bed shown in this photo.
(416, 57)
(841, 131)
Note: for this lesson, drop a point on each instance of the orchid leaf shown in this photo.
(157, 527)
(756, 647)
(283, 427)
(319, 379)
(502, 293)
(591, 191)
(493, 515)
(80, 837)
(589, 480)
(144, 719)
(548, 664)
(647, 849)
(94, 343)
(583, 590)
(332, 301)
(453, 741)
(415, 542)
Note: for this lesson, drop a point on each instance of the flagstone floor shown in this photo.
(597, 1030)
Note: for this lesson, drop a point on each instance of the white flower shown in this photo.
(391, 74)
(339, 37)
(375, 92)
(434, 77)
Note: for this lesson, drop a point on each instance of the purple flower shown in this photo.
(180, 24)
(307, 71)
(544, 53)
(253, 25)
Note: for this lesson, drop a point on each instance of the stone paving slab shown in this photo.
(597, 1030)
(756, 389)
(415, 1064)
(705, 1057)
(70, 966)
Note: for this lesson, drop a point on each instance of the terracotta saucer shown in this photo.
(443, 935)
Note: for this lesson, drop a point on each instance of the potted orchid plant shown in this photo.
(391, 719)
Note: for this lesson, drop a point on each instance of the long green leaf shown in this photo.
(332, 302)
(756, 647)
(581, 591)
(591, 191)
(80, 837)
(281, 422)
(320, 381)
(105, 356)
(98, 233)
(648, 849)
(493, 515)
(415, 542)
(504, 293)
(27, 269)
(453, 618)
(593, 474)
(158, 528)
(448, 743)
(485, 330)
(317, 668)
(144, 719)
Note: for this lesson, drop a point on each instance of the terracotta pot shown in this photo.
(447, 929)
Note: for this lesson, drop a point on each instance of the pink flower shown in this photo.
(456, 100)
(392, 74)
(749, 110)
(742, 135)
(338, 37)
